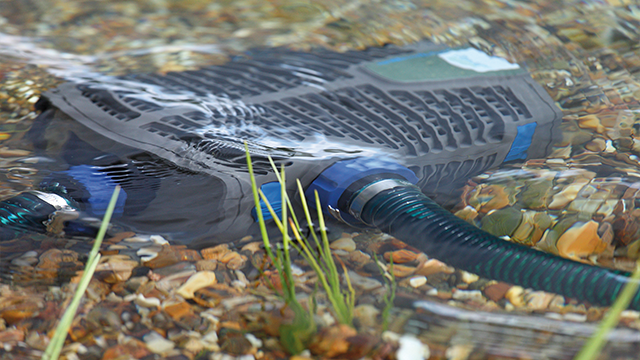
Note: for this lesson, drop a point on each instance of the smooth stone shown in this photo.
(363, 283)
(418, 281)
(345, 243)
(412, 349)
(150, 302)
(367, 314)
(473, 295)
(196, 282)
(175, 268)
(515, 295)
(158, 344)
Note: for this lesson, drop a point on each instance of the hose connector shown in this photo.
(341, 187)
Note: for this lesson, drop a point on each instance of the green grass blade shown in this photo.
(57, 342)
(594, 346)
(256, 201)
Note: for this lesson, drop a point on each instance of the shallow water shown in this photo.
(584, 53)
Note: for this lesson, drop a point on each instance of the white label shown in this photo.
(476, 60)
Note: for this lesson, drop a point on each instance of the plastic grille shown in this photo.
(416, 121)
(105, 101)
(266, 71)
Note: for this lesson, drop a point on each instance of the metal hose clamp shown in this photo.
(370, 191)
(64, 212)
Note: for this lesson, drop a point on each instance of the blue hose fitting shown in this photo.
(332, 183)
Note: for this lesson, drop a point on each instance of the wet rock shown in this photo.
(401, 271)
(175, 268)
(366, 314)
(216, 252)
(206, 265)
(417, 281)
(37, 341)
(170, 255)
(157, 344)
(412, 349)
(211, 296)
(400, 256)
(197, 281)
(344, 243)
(115, 268)
(236, 344)
(18, 307)
(515, 295)
(332, 341)
(363, 283)
(580, 240)
(473, 295)
(496, 291)
(433, 266)
(233, 260)
(150, 302)
(538, 300)
(11, 336)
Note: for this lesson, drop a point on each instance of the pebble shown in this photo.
(473, 295)
(538, 300)
(515, 295)
(366, 314)
(344, 243)
(469, 278)
(197, 281)
(433, 266)
(150, 302)
(417, 281)
(400, 271)
(400, 256)
(412, 349)
(496, 291)
(363, 283)
(157, 344)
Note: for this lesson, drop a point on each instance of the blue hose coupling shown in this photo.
(334, 181)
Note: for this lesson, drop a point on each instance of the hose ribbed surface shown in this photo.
(409, 215)
(23, 213)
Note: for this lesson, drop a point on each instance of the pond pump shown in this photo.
(383, 135)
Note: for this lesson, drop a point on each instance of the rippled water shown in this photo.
(584, 53)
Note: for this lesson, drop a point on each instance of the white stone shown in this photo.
(417, 281)
(475, 295)
(412, 349)
(157, 344)
(257, 343)
(150, 302)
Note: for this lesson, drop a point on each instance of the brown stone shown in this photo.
(332, 341)
(496, 291)
(216, 252)
(179, 310)
(400, 256)
(170, 255)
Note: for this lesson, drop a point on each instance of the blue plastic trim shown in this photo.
(332, 182)
(522, 142)
(273, 192)
(100, 187)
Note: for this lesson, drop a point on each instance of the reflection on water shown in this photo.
(584, 53)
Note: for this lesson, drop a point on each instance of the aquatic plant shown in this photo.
(57, 341)
(390, 295)
(594, 345)
(295, 335)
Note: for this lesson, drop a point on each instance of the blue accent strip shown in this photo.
(100, 187)
(522, 142)
(334, 180)
(273, 192)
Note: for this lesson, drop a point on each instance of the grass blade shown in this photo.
(594, 346)
(57, 342)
